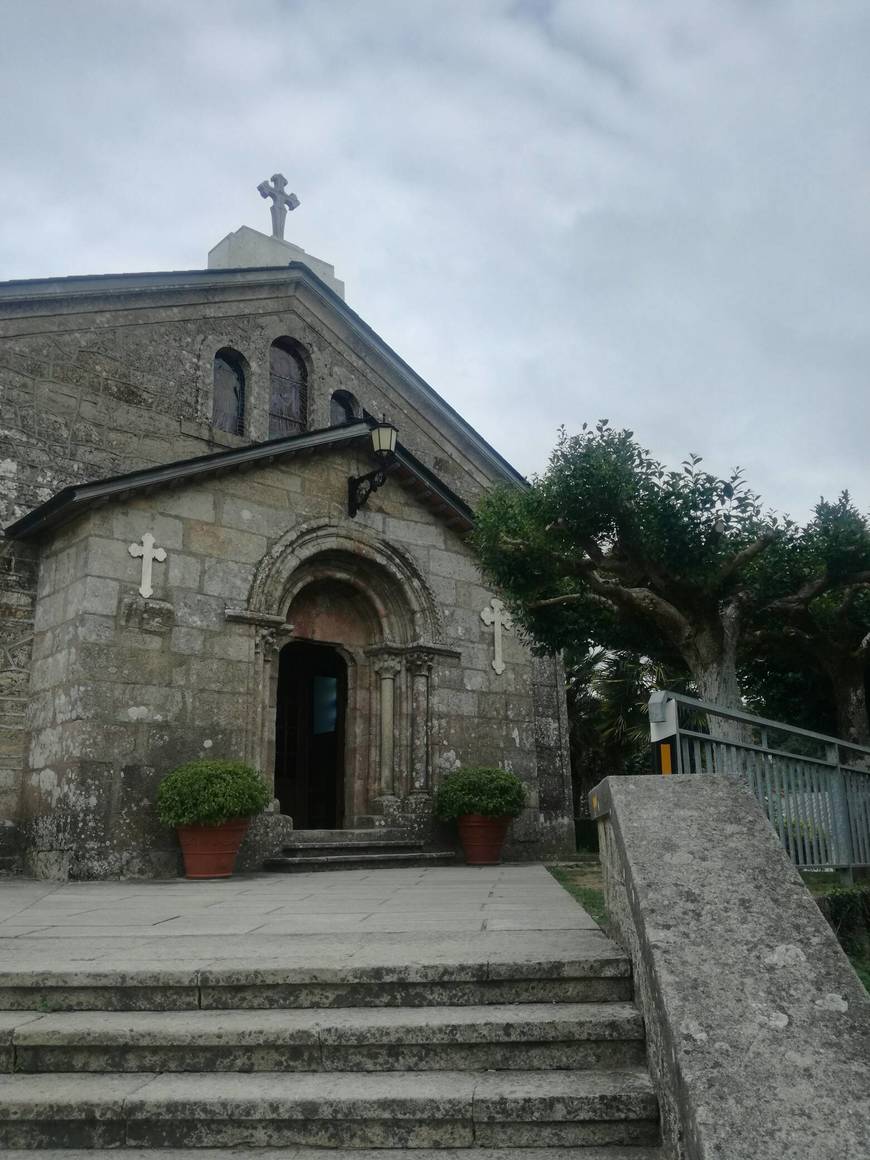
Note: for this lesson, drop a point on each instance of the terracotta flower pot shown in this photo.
(210, 851)
(482, 838)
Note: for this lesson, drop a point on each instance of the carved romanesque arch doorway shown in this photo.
(360, 598)
(323, 704)
(309, 735)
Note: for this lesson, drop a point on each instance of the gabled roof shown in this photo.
(81, 497)
(35, 290)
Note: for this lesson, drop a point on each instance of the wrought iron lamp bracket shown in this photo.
(360, 487)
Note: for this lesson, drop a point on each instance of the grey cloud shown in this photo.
(554, 210)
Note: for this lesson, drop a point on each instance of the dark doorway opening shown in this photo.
(309, 736)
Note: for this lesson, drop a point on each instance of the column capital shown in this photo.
(387, 666)
(268, 641)
(420, 663)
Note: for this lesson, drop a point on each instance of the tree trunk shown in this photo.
(712, 661)
(847, 679)
(717, 683)
(711, 655)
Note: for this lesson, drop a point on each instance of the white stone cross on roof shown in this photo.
(281, 201)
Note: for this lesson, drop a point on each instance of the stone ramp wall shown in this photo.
(758, 1029)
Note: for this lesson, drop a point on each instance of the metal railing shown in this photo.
(814, 789)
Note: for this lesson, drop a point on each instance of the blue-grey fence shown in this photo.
(814, 789)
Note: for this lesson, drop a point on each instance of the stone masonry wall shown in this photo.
(107, 386)
(18, 566)
(124, 689)
(100, 383)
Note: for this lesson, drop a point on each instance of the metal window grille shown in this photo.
(228, 404)
(288, 392)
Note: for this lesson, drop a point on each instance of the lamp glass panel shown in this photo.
(384, 439)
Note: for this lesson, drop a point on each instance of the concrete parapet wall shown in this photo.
(758, 1028)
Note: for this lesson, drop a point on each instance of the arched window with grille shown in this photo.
(343, 408)
(228, 399)
(288, 398)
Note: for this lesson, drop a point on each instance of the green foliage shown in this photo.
(782, 683)
(847, 909)
(494, 793)
(861, 965)
(606, 521)
(607, 695)
(585, 833)
(210, 792)
(609, 549)
(808, 655)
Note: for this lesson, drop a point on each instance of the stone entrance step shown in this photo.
(300, 838)
(356, 857)
(337, 1110)
(532, 1037)
(611, 1153)
(357, 849)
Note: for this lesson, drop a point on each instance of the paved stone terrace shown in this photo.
(458, 914)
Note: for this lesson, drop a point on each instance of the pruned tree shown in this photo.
(610, 548)
(813, 588)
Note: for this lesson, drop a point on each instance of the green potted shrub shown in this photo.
(210, 804)
(482, 801)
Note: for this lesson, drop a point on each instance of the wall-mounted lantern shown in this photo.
(360, 487)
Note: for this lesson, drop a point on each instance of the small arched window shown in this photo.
(343, 408)
(228, 400)
(289, 389)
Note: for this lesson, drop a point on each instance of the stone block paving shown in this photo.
(454, 914)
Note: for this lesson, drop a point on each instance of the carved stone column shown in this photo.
(267, 642)
(387, 668)
(420, 666)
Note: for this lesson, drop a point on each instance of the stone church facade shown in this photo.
(180, 574)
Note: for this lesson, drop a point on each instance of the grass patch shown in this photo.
(583, 883)
(861, 963)
(821, 881)
(847, 909)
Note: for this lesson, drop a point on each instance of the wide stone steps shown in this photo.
(455, 1048)
(603, 976)
(450, 1109)
(526, 1038)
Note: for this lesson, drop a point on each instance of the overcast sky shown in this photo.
(554, 210)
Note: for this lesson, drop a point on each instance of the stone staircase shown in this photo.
(489, 1060)
(360, 849)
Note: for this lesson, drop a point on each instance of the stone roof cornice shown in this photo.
(76, 499)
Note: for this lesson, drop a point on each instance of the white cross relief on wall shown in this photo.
(495, 615)
(149, 554)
